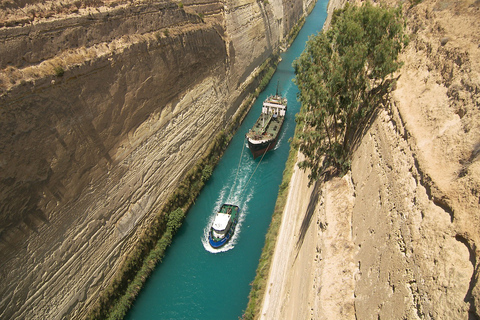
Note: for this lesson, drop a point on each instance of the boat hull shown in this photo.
(258, 149)
(263, 136)
(218, 244)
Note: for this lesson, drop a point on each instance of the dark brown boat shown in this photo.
(264, 134)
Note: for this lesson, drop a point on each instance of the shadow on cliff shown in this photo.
(307, 219)
(363, 127)
(470, 295)
(330, 172)
(365, 122)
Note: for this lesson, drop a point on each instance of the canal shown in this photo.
(196, 282)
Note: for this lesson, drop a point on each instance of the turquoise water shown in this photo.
(196, 282)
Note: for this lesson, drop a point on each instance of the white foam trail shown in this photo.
(236, 197)
(282, 136)
(288, 87)
(290, 84)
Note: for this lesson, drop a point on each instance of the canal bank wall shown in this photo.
(106, 106)
(396, 237)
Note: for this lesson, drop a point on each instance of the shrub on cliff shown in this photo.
(207, 173)
(343, 75)
(175, 220)
(59, 71)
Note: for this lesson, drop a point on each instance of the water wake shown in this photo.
(285, 91)
(282, 136)
(237, 195)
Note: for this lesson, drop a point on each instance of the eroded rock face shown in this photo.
(409, 259)
(416, 180)
(103, 109)
(397, 237)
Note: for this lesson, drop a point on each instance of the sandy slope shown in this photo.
(398, 237)
(313, 260)
(288, 286)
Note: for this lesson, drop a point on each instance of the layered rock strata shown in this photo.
(104, 106)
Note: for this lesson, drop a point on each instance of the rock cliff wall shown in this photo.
(397, 238)
(412, 232)
(104, 106)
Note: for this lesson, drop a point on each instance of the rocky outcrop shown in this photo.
(103, 108)
(416, 178)
(397, 238)
(409, 260)
(437, 101)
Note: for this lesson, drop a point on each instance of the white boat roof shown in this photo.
(221, 221)
(273, 105)
(258, 141)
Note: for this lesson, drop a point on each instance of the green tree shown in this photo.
(175, 219)
(59, 71)
(207, 172)
(343, 75)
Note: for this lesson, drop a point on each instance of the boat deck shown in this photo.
(266, 128)
(225, 207)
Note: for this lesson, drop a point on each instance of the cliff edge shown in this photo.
(397, 237)
(104, 107)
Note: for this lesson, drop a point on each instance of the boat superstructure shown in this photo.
(223, 227)
(264, 134)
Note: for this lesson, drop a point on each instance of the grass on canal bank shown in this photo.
(258, 286)
(117, 298)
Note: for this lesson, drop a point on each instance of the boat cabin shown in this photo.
(274, 109)
(222, 223)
